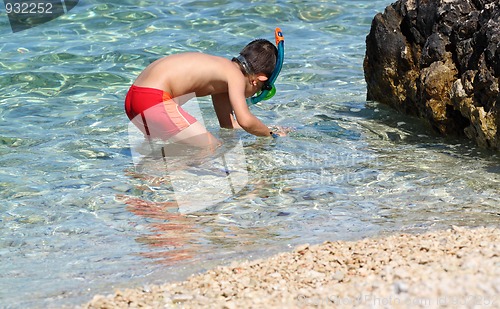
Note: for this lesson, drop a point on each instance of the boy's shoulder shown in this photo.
(215, 63)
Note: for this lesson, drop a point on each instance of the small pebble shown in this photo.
(180, 298)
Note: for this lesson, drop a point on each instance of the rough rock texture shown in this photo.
(456, 268)
(439, 60)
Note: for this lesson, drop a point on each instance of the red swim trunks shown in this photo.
(155, 112)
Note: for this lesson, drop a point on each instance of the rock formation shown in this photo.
(439, 60)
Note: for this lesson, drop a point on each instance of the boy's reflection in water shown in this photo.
(171, 230)
(173, 237)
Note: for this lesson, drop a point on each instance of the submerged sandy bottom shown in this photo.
(455, 268)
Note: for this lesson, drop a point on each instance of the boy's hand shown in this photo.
(281, 131)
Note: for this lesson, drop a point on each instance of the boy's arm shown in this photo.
(245, 118)
(224, 111)
(249, 123)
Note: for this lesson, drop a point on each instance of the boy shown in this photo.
(150, 102)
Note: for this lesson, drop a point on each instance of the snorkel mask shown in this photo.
(268, 90)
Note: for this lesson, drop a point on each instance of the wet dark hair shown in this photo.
(261, 56)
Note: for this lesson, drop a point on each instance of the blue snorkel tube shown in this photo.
(268, 90)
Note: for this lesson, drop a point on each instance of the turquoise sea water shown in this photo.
(77, 219)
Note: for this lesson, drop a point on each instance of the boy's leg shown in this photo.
(196, 135)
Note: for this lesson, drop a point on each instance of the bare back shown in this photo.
(186, 73)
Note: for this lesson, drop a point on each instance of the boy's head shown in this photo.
(260, 56)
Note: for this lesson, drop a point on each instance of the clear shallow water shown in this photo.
(77, 219)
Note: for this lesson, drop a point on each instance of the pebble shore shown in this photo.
(454, 268)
